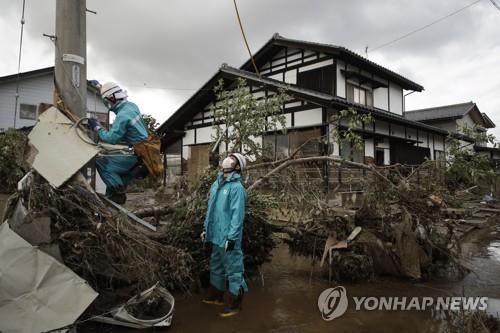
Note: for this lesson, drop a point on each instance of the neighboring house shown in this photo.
(37, 88)
(36, 91)
(322, 79)
(453, 118)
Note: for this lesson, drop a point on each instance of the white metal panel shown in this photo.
(340, 80)
(278, 76)
(189, 137)
(396, 98)
(316, 65)
(309, 117)
(53, 134)
(380, 98)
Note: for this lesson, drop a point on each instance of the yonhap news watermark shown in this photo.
(333, 303)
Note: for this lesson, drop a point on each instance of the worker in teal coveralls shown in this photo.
(129, 128)
(223, 228)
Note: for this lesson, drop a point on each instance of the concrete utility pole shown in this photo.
(71, 54)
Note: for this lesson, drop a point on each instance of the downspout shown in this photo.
(404, 101)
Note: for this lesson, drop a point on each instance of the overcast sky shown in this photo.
(176, 45)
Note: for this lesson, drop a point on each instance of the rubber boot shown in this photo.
(117, 194)
(233, 306)
(214, 297)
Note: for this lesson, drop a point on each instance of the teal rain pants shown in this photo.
(227, 267)
(115, 170)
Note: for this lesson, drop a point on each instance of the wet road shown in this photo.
(287, 302)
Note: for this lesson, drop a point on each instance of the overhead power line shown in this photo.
(19, 62)
(245, 38)
(425, 26)
(497, 6)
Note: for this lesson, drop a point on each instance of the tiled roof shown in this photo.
(191, 106)
(340, 51)
(440, 112)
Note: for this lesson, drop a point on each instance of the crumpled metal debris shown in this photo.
(120, 316)
(37, 293)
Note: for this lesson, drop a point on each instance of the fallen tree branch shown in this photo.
(153, 211)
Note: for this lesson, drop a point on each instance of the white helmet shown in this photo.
(111, 89)
(242, 161)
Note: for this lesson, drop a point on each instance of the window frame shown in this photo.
(35, 111)
(356, 94)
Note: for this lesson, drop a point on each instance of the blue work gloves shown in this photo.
(230, 245)
(93, 124)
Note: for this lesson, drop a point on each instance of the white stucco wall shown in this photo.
(395, 98)
(380, 98)
(309, 117)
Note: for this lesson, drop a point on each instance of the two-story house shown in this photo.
(454, 118)
(36, 89)
(321, 79)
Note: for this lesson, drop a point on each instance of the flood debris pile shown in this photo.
(408, 228)
(12, 147)
(469, 322)
(100, 244)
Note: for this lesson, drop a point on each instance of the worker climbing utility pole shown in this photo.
(71, 54)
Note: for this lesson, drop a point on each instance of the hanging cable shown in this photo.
(425, 26)
(19, 62)
(245, 39)
(497, 6)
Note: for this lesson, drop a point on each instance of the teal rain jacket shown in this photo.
(226, 210)
(128, 125)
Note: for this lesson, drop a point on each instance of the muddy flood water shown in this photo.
(286, 301)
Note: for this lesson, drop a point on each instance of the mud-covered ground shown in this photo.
(286, 299)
